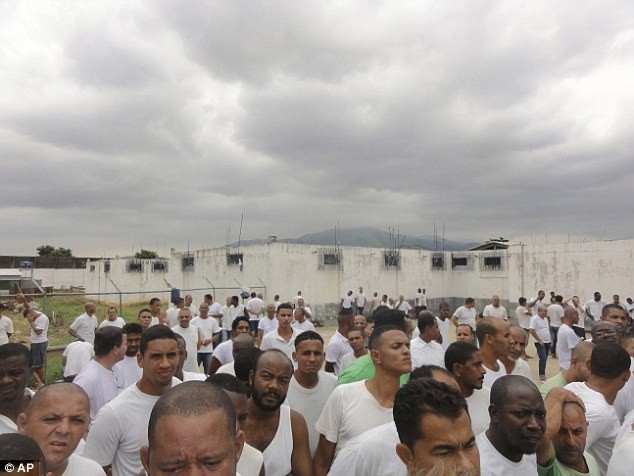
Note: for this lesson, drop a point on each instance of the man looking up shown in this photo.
(464, 361)
(310, 387)
(277, 431)
(360, 406)
(561, 451)
(179, 439)
(609, 372)
(97, 378)
(14, 377)
(578, 371)
(84, 326)
(518, 422)
(57, 419)
(338, 345)
(494, 336)
(282, 338)
(112, 440)
(127, 370)
(434, 428)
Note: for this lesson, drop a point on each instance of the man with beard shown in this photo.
(434, 429)
(277, 431)
(128, 371)
(561, 451)
(464, 361)
(518, 422)
(114, 439)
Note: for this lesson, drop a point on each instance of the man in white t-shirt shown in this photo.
(6, 326)
(534, 303)
(172, 313)
(76, 356)
(57, 419)
(464, 361)
(466, 315)
(210, 333)
(127, 370)
(338, 345)
(523, 315)
(360, 300)
(112, 319)
(178, 430)
(567, 338)
(555, 314)
(193, 338)
(282, 338)
(356, 340)
(424, 348)
(267, 324)
(609, 371)
(113, 440)
(346, 302)
(189, 304)
(402, 305)
(495, 309)
(38, 322)
(300, 322)
(594, 307)
(580, 326)
(518, 423)
(255, 308)
(513, 361)
(223, 354)
(310, 387)
(494, 337)
(426, 431)
(420, 301)
(443, 323)
(97, 379)
(360, 406)
(84, 326)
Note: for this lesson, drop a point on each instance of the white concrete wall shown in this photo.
(573, 268)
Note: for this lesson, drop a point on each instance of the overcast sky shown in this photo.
(156, 124)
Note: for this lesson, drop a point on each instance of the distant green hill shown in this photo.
(370, 237)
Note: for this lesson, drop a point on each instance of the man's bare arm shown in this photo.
(323, 456)
(300, 458)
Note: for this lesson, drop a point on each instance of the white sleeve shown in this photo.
(349, 460)
(103, 439)
(597, 425)
(329, 421)
(266, 343)
(87, 384)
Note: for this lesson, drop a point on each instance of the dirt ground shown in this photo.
(552, 366)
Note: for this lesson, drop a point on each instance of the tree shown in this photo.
(48, 250)
(146, 254)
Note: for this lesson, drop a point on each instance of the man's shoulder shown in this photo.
(81, 466)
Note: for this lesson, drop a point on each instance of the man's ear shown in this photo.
(405, 454)
(456, 369)
(21, 423)
(239, 443)
(139, 359)
(294, 355)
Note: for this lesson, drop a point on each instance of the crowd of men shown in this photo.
(253, 389)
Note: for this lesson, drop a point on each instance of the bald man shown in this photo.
(579, 369)
(57, 418)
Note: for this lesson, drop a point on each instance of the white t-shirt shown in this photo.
(208, 326)
(347, 360)
(255, 307)
(535, 307)
(595, 308)
(350, 411)
(267, 325)
(224, 352)
(346, 302)
(6, 327)
(566, 341)
(81, 466)
(361, 299)
(424, 353)
(250, 462)
(523, 317)
(372, 452)
(78, 354)
(466, 316)
(309, 402)
(100, 384)
(128, 371)
(403, 306)
(491, 375)
(541, 328)
(443, 327)
(113, 439)
(227, 369)
(338, 346)
(215, 308)
(622, 460)
(41, 322)
(227, 317)
(273, 341)
(420, 300)
(85, 325)
(172, 315)
(491, 311)
(190, 334)
(118, 322)
(478, 404)
(555, 313)
(522, 368)
(581, 312)
(624, 402)
(603, 423)
(303, 326)
(493, 463)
